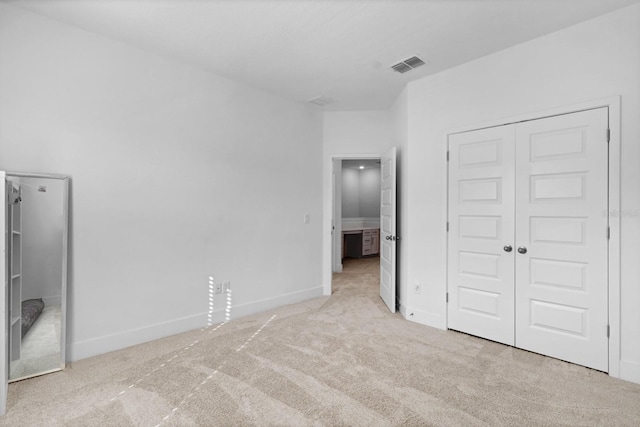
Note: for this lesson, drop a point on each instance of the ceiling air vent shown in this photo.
(408, 64)
(321, 100)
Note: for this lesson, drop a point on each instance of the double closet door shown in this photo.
(528, 235)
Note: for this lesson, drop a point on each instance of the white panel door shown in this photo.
(388, 236)
(480, 249)
(561, 220)
(336, 218)
(4, 300)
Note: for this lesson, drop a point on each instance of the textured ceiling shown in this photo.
(341, 50)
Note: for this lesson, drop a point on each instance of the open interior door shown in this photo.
(388, 236)
(4, 316)
(336, 219)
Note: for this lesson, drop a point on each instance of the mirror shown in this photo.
(37, 233)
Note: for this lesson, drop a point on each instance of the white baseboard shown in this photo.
(106, 343)
(630, 371)
(424, 318)
(96, 346)
(254, 307)
(326, 290)
(402, 309)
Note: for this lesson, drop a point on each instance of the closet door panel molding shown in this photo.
(481, 194)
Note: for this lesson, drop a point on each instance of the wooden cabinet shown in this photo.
(370, 242)
(359, 243)
(375, 241)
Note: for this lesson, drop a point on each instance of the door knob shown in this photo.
(522, 250)
(508, 248)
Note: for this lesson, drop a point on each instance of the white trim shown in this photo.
(624, 370)
(106, 343)
(629, 371)
(4, 303)
(615, 257)
(421, 316)
(37, 175)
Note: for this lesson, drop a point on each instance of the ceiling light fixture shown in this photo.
(408, 64)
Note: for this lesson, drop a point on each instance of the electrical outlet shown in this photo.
(226, 287)
(417, 288)
(217, 288)
(307, 218)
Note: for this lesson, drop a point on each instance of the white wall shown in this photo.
(177, 174)
(370, 193)
(348, 134)
(592, 60)
(361, 193)
(350, 193)
(42, 228)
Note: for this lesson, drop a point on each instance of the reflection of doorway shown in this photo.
(356, 215)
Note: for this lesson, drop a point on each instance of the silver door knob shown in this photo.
(522, 250)
(508, 248)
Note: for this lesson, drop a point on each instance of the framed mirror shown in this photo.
(37, 241)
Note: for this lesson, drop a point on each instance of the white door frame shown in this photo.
(613, 104)
(330, 248)
(4, 312)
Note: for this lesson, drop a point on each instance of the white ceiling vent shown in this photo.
(408, 64)
(321, 100)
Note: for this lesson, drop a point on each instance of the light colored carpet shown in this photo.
(342, 360)
(40, 347)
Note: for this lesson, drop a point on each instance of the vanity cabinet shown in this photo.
(370, 242)
(357, 243)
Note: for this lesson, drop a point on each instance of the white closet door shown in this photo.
(561, 220)
(481, 203)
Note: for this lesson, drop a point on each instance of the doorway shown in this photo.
(386, 225)
(356, 215)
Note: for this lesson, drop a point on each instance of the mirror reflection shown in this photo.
(37, 257)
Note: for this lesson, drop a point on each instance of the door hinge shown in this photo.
(447, 297)
(608, 233)
(608, 135)
(447, 226)
(447, 155)
(608, 331)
